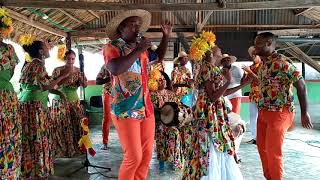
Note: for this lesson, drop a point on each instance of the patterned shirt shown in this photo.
(8, 57)
(276, 78)
(254, 93)
(73, 80)
(130, 97)
(181, 75)
(105, 74)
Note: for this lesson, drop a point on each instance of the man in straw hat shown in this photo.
(276, 77)
(181, 75)
(237, 82)
(126, 58)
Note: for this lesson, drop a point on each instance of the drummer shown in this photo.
(181, 75)
(168, 138)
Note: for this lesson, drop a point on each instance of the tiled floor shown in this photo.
(301, 159)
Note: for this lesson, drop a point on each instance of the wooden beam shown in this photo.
(43, 27)
(94, 14)
(71, 16)
(150, 35)
(204, 21)
(301, 11)
(105, 6)
(301, 56)
(261, 26)
(297, 32)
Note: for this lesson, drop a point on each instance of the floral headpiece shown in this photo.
(62, 49)
(200, 45)
(26, 39)
(154, 77)
(6, 26)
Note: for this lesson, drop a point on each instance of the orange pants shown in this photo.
(106, 118)
(271, 129)
(136, 139)
(236, 103)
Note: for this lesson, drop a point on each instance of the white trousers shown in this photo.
(253, 109)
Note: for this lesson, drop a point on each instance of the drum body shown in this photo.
(173, 114)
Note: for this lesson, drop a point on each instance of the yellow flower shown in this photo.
(210, 37)
(62, 49)
(26, 39)
(7, 20)
(155, 74)
(153, 85)
(3, 12)
(28, 57)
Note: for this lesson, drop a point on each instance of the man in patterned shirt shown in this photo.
(126, 58)
(276, 77)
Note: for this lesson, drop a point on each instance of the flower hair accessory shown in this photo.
(26, 39)
(6, 23)
(62, 49)
(200, 45)
(154, 77)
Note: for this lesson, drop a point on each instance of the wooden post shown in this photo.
(176, 48)
(303, 70)
(68, 40)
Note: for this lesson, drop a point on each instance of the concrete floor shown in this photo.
(301, 152)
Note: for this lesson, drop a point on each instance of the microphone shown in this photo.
(81, 58)
(139, 37)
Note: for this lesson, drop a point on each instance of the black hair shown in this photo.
(33, 49)
(69, 52)
(268, 35)
(168, 81)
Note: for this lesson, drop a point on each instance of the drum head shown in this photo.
(167, 114)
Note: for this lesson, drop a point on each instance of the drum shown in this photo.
(173, 114)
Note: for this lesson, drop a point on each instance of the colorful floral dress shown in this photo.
(67, 115)
(168, 139)
(10, 120)
(181, 75)
(37, 126)
(211, 125)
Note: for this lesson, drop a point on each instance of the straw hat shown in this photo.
(233, 59)
(251, 50)
(112, 26)
(181, 54)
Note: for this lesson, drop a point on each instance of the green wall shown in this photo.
(313, 89)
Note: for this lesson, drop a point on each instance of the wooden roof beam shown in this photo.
(30, 22)
(71, 16)
(94, 14)
(104, 6)
(150, 35)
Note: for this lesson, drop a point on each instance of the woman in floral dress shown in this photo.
(210, 139)
(67, 114)
(37, 127)
(168, 138)
(10, 121)
(181, 75)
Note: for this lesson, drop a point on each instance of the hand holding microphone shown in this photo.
(143, 42)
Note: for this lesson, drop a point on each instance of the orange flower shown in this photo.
(155, 74)
(153, 85)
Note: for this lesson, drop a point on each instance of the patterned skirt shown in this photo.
(169, 145)
(67, 131)
(10, 137)
(37, 157)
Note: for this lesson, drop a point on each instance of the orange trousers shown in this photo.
(136, 139)
(236, 103)
(271, 129)
(106, 118)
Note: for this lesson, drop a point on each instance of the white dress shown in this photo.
(222, 166)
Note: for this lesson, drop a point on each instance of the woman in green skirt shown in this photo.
(37, 126)
(67, 114)
(10, 121)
